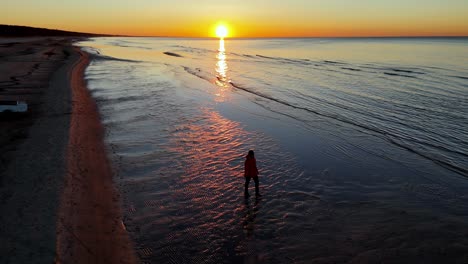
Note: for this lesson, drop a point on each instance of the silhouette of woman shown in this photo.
(251, 171)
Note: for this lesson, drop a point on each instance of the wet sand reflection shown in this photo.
(251, 212)
(211, 147)
(190, 207)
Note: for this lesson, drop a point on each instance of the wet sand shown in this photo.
(57, 199)
(90, 228)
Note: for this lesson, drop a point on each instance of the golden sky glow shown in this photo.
(245, 18)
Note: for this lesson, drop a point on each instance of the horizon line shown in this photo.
(258, 37)
(298, 37)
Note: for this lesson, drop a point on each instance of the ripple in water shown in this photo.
(191, 208)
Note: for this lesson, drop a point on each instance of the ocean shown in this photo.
(361, 144)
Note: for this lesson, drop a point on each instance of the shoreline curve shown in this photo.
(89, 226)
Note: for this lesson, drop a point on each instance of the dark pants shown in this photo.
(247, 181)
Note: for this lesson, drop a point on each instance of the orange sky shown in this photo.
(245, 18)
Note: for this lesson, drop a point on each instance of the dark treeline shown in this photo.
(22, 31)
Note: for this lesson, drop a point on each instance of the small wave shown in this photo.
(446, 164)
(98, 56)
(129, 46)
(265, 57)
(195, 50)
(351, 69)
(405, 71)
(400, 75)
(392, 69)
(121, 99)
(308, 62)
(459, 77)
(91, 50)
(196, 72)
(285, 60)
(173, 54)
(333, 62)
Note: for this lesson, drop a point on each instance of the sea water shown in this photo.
(361, 144)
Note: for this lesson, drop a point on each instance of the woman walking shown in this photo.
(251, 171)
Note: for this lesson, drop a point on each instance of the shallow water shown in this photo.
(361, 145)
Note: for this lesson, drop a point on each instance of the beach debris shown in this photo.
(13, 106)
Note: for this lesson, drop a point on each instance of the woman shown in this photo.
(251, 171)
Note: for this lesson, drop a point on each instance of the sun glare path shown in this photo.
(221, 31)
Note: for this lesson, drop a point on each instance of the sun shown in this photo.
(221, 31)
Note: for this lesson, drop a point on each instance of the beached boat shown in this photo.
(13, 106)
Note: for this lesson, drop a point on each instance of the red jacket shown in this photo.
(250, 167)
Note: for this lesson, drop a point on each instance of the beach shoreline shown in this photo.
(90, 227)
(43, 211)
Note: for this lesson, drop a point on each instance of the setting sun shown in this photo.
(221, 31)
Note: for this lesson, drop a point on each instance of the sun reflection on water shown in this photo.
(222, 80)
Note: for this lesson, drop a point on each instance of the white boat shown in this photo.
(13, 106)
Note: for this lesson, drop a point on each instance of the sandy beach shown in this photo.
(156, 175)
(57, 197)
